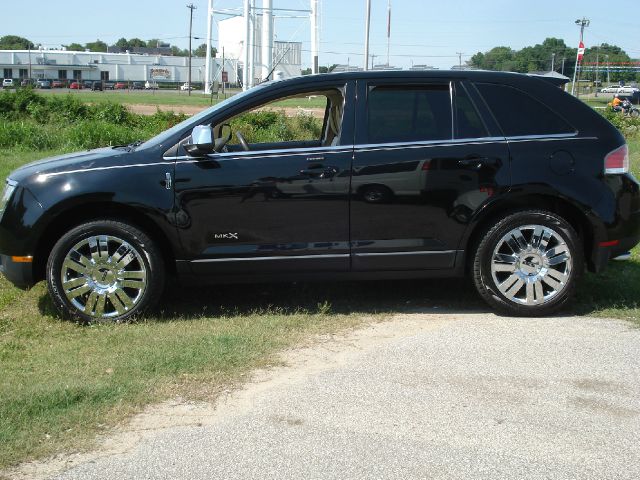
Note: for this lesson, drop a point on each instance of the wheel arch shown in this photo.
(68, 218)
(577, 217)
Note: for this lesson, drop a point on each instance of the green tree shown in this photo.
(137, 43)
(13, 42)
(201, 51)
(122, 43)
(97, 46)
(175, 51)
(74, 47)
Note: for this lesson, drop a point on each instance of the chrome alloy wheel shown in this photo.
(531, 264)
(103, 276)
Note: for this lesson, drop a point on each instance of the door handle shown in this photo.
(476, 162)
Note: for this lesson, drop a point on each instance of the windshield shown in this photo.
(196, 119)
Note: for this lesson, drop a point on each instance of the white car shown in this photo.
(7, 83)
(185, 86)
(611, 89)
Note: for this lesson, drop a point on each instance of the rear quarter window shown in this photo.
(519, 114)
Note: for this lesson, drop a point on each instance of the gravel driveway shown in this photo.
(458, 396)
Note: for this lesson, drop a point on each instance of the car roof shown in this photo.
(475, 75)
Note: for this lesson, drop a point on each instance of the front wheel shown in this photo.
(105, 270)
(528, 263)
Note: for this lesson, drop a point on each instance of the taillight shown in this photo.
(617, 161)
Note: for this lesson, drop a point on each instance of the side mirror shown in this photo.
(202, 142)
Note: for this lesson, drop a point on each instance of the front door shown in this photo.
(424, 163)
(277, 200)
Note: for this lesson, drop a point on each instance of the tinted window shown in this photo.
(519, 114)
(409, 113)
(467, 120)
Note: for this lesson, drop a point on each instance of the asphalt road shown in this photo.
(465, 396)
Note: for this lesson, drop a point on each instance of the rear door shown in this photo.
(424, 162)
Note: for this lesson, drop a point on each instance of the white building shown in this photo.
(67, 65)
(287, 56)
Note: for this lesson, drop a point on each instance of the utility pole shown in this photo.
(563, 60)
(247, 47)
(315, 36)
(597, 66)
(207, 65)
(366, 36)
(553, 61)
(582, 23)
(267, 39)
(191, 8)
(460, 58)
(29, 62)
(608, 73)
(388, 31)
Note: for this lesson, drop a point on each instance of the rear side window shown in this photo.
(409, 113)
(519, 114)
(467, 120)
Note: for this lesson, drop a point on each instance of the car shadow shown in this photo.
(366, 297)
(615, 288)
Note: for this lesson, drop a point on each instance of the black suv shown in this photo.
(502, 177)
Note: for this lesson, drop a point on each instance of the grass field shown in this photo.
(167, 98)
(61, 383)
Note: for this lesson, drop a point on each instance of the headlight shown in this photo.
(9, 187)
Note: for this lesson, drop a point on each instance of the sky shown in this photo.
(422, 32)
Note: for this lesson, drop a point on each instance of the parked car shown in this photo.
(185, 86)
(8, 83)
(137, 86)
(44, 84)
(109, 85)
(75, 86)
(96, 86)
(120, 86)
(610, 89)
(150, 85)
(57, 84)
(26, 82)
(519, 199)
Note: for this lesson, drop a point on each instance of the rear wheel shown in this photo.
(528, 263)
(105, 270)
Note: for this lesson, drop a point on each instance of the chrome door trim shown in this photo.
(282, 257)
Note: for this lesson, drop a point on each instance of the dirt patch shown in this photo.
(193, 109)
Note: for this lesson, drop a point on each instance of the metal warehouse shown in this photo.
(67, 65)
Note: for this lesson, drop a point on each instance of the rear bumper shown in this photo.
(18, 273)
(625, 239)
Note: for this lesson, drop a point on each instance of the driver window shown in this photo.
(312, 119)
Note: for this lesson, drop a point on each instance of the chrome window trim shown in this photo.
(279, 152)
(281, 257)
(470, 141)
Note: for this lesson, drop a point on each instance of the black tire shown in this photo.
(376, 194)
(561, 264)
(105, 270)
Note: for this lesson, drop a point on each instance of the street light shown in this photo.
(582, 23)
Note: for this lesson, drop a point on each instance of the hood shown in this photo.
(71, 161)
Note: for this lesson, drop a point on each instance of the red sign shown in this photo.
(580, 52)
(225, 76)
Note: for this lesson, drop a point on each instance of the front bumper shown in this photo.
(18, 273)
